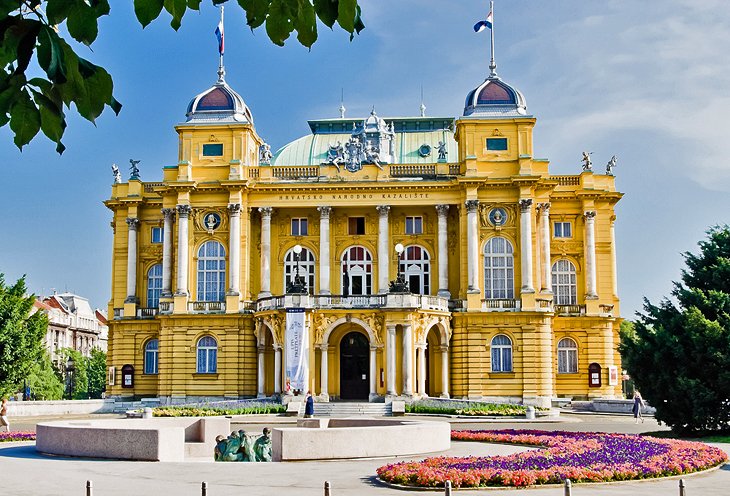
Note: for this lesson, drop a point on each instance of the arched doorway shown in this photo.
(354, 366)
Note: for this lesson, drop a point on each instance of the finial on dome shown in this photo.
(221, 45)
(342, 104)
(423, 105)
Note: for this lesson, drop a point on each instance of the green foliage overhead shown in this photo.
(21, 334)
(29, 34)
(678, 352)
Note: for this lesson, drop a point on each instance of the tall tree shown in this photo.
(31, 28)
(21, 335)
(679, 353)
(43, 380)
(97, 372)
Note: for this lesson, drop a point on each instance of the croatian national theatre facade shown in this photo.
(510, 271)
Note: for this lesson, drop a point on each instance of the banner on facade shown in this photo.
(297, 351)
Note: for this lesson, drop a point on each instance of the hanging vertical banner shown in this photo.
(297, 350)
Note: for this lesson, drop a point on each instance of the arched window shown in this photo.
(415, 265)
(306, 268)
(357, 271)
(565, 286)
(150, 356)
(154, 286)
(207, 355)
(501, 353)
(567, 356)
(499, 269)
(211, 272)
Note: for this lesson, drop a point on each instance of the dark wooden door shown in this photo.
(354, 367)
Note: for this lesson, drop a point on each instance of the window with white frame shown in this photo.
(562, 230)
(499, 269)
(501, 353)
(567, 356)
(306, 268)
(151, 350)
(415, 265)
(211, 272)
(207, 355)
(154, 286)
(357, 271)
(565, 283)
(157, 234)
(414, 225)
(299, 226)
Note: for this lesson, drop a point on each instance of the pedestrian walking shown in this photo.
(4, 414)
(309, 406)
(638, 405)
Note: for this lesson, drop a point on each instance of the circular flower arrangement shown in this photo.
(578, 456)
(16, 436)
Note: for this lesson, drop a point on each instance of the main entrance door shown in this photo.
(354, 367)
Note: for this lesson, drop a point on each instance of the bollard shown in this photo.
(681, 487)
(447, 488)
(326, 488)
(568, 488)
(530, 413)
(147, 413)
(204, 489)
(89, 488)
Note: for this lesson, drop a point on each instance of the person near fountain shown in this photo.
(309, 406)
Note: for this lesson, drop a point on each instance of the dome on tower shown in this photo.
(218, 105)
(495, 98)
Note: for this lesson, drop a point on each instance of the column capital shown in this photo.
(324, 211)
(442, 210)
(261, 348)
(277, 347)
(544, 208)
(133, 223)
(471, 205)
(234, 209)
(266, 211)
(590, 215)
(168, 213)
(383, 210)
(525, 204)
(183, 211)
(374, 347)
(324, 347)
(390, 328)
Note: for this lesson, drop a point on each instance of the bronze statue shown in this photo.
(262, 446)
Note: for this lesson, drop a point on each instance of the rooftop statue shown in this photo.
(442, 150)
(117, 174)
(587, 163)
(336, 155)
(134, 170)
(610, 165)
(265, 154)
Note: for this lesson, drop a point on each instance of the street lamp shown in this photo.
(70, 369)
(399, 285)
(297, 285)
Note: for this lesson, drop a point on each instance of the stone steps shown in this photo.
(347, 409)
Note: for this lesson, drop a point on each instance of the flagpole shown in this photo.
(221, 69)
(492, 63)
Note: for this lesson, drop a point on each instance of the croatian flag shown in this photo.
(219, 35)
(482, 25)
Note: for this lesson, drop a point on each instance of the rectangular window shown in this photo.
(562, 230)
(356, 225)
(157, 234)
(213, 150)
(497, 144)
(299, 227)
(414, 225)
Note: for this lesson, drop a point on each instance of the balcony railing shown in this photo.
(606, 309)
(412, 170)
(118, 313)
(454, 169)
(248, 306)
(295, 172)
(150, 187)
(567, 180)
(206, 307)
(501, 305)
(354, 301)
(165, 307)
(146, 313)
(572, 310)
(544, 305)
(439, 303)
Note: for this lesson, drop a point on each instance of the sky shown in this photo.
(646, 81)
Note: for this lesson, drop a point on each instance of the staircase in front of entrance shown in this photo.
(352, 409)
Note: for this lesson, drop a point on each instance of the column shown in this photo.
(383, 251)
(277, 369)
(443, 211)
(132, 260)
(324, 249)
(590, 255)
(390, 360)
(614, 274)
(547, 281)
(265, 251)
(472, 239)
(168, 214)
(444, 371)
(421, 358)
(234, 249)
(324, 373)
(261, 377)
(526, 245)
(183, 212)
(373, 373)
(407, 360)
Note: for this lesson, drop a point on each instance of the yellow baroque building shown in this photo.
(421, 256)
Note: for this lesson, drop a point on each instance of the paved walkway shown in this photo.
(25, 472)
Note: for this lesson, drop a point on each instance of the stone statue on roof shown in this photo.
(336, 155)
(117, 174)
(265, 154)
(441, 147)
(353, 151)
(610, 165)
(587, 163)
(134, 170)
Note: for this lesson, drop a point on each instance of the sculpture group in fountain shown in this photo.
(238, 447)
(372, 142)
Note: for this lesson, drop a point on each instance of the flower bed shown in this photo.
(578, 456)
(455, 407)
(233, 407)
(6, 437)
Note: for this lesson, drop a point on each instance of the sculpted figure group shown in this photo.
(238, 447)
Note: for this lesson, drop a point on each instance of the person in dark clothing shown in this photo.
(638, 405)
(309, 406)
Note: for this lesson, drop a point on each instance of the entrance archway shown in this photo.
(354, 366)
